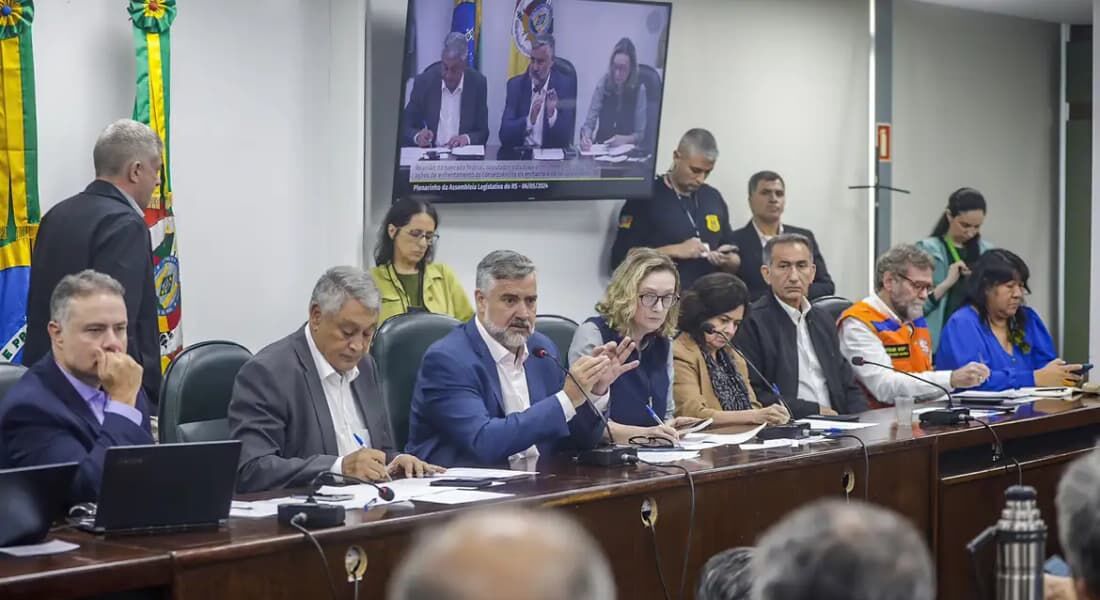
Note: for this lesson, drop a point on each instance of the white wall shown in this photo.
(786, 92)
(976, 104)
(267, 148)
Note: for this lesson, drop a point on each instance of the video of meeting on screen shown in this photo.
(506, 100)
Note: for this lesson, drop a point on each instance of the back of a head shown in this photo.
(832, 550)
(122, 143)
(1078, 504)
(727, 576)
(507, 554)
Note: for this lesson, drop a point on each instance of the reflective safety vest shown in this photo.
(909, 346)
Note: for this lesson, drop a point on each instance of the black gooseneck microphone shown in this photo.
(952, 415)
(330, 478)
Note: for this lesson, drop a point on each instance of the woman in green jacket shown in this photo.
(407, 278)
(955, 245)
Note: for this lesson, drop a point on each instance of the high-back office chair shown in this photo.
(654, 85)
(562, 68)
(834, 305)
(9, 374)
(560, 330)
(397, 349)
(194, 397)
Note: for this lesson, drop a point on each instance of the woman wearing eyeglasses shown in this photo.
(712, 381)
(407, 278)
(639, 307)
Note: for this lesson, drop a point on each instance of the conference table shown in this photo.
(942, 479)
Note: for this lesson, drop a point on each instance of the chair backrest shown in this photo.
(194, 397)
(9, 374)
(834, 305)
(560, 330)
(654, 87)
(397, 348)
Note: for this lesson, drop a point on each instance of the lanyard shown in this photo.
(683, 205)
(951, 249)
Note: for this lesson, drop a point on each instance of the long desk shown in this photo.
(942, 479)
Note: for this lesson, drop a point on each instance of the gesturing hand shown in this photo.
(618, 353)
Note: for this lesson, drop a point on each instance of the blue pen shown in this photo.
(656, 419)
(359, 440)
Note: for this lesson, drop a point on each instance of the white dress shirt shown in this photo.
(764, 238)
(450, 112)
(534, 128)
(346, 419)
(133, 203)
(811, 378)
(856, 339)
(513, 388)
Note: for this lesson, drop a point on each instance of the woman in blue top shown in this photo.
(997, 330)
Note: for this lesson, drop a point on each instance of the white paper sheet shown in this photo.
(473, 473)
(549, 154)
(666, 457)
(453, 496)
(785, 442)
(1027, 392)
(596, 150)
(471, 150)
(698, 441)
(47, 547)
(612, 159)
(620, 150)
(821, 424)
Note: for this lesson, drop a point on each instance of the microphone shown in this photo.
(952, 415)
(330, 478)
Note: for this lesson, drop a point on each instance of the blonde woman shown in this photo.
(639, 307)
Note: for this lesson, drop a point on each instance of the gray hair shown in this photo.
(122, 143)
(340, 284)
(832, 550)
(81, 285)
(727, 576)
(698, 141)
(502, 264)
(1078, 504)
(898, 259)
(444, 564)
(544, 39)
(786, 238)
(456, 45)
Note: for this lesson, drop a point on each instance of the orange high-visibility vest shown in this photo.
(908, 346)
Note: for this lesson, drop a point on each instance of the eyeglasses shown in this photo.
(651, 300)
(420, 235)
(919, 286)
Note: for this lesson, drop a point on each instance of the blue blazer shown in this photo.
(457, 416)
(43, 420)
(517, 108)
(966, 338)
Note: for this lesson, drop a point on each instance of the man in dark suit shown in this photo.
(767, 199)
(480, 400)
(448, 105)
(103, 228)
(309, 403)
(540, 108)
(794, 344)
(83, 396)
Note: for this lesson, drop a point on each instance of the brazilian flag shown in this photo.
(466, 19)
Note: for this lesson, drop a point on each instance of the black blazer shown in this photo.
(279, 413)
(517, 109)
(97, 229)
(769, 339)
(752, 256)
(426, 97)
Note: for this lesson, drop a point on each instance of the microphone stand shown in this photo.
(952, 415)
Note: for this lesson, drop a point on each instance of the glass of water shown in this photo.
(903, 411)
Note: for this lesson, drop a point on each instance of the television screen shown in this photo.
(530, 99)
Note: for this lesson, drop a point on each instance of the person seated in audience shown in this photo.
(540, 106)
(448, 105)
(480, 401)
(794, 344)
(727, 576)
(407, 279)
(711, 379)
(83, 396)
(997, 329)
(309, 403)
(955, 245)
(767, 201)
(618, 102)
(639, 305)
(888, 327)
(1078, 505)
(837, 550)
(505, 554)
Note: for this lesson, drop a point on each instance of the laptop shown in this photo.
(165, 488)
(30, 499)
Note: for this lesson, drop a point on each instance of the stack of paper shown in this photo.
(549, 154)
(665, 456)
(825, 424)
(471, 150)
(612, 158)
(1018, 393)
(699, 441)
(595, 150)
(619, 150)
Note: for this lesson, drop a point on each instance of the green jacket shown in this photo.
(935, 311)
(443, 293)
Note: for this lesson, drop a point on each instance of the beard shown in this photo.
(909, 311)
(509, 337)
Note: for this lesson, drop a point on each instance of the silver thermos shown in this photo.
(1021, 537)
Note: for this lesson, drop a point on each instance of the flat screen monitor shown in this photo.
(519, 100)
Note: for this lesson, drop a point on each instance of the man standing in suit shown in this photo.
(309, 403)
(83, 396)
(540, 110)
(767, 199)
(794, 344)
(448, 105)
(480, 401)
(103, 228)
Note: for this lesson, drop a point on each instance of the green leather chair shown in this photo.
(9, 374)
(560, 330)
(194, 397)
(397, 348)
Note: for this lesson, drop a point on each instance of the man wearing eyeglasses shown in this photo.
(793, 343)
(888, 327)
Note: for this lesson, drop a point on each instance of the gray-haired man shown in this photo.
(448, 103)
(309, 403)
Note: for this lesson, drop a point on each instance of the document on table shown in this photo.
(459, 496)
(411, 154)
(474, 473)
(821, 424)
(47, 547)
(471, 150)
(1018, 393)
(610, 158)
(549, 154)
(666, 456)
(595, 150)
(698, 441)
(784, 443)
(618, 150)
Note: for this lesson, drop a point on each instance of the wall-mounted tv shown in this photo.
(530, 99)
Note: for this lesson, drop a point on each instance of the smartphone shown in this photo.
(1085, 368)
(463, 483)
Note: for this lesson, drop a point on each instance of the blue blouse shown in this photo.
(966, 338)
